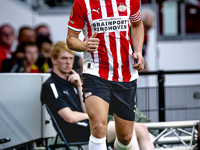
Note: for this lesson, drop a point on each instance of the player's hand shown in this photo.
(92, 43)
(140, 63)
(74, 78)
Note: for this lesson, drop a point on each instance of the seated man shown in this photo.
(27, 63)
(62, 93)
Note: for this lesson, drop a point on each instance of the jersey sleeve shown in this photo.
(135, 14)
(76, 19)
(51, 98)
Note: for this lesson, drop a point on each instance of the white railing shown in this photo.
(176, 132)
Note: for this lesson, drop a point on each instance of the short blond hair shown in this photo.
(58, 47)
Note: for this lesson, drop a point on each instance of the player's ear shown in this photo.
(53, 61)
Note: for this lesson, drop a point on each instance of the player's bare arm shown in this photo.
(76, 44)
(137, 35)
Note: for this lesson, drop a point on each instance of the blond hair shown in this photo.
(58, 47)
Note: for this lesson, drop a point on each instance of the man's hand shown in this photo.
(139, 65)
(93, 43)
(74, 78)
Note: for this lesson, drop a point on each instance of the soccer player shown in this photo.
(110, 68)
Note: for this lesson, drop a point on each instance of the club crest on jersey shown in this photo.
(122, 7)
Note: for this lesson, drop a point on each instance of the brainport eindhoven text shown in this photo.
(110, 25)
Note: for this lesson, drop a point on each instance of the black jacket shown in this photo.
(58, 93)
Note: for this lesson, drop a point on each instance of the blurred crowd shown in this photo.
(32, 53)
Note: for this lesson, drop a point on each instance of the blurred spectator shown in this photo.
(31, 54)
(44, 62)
(7, 37)
(147, 19)
(28, 63)
(25, 34)
(42, 30)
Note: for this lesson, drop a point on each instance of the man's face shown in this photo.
(27, 35)
(31, 54)
(7, 36)
(65, 61)
(45, 49)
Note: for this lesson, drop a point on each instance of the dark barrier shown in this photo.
(161, 89)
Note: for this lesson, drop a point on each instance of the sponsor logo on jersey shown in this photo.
(66, 92)
(96, 10)
(122, 8)
(110, 25)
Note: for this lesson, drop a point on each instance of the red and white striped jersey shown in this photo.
(110, 18)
